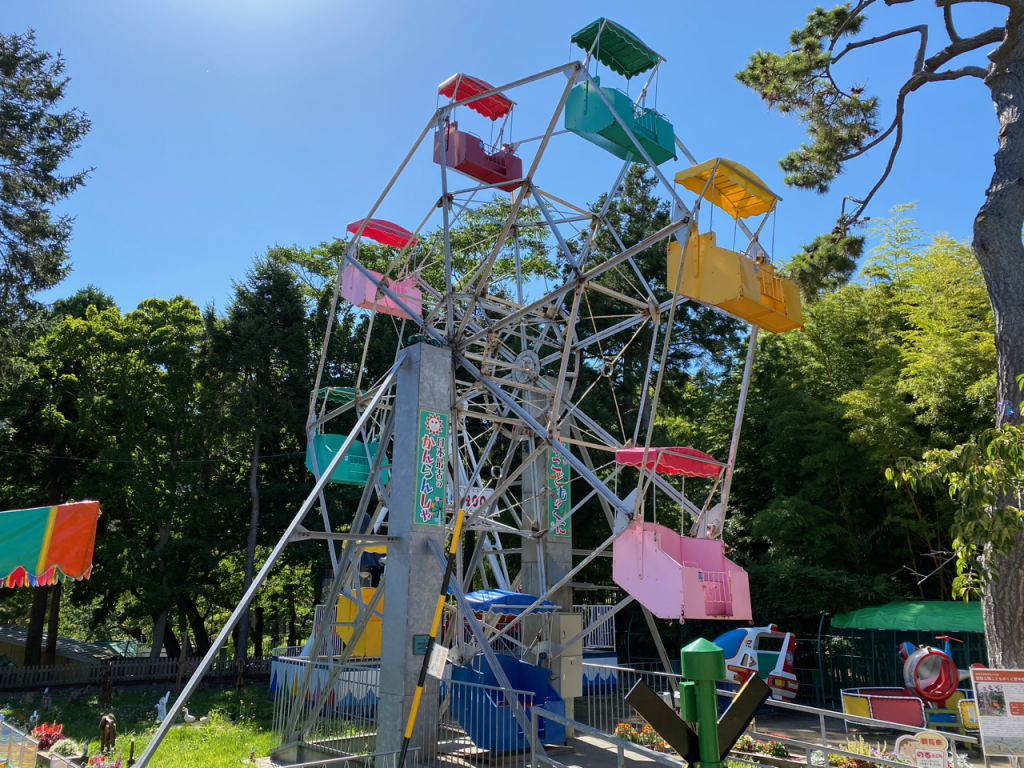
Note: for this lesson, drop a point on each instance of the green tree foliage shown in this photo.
(37, 135)
(261, 352)
(979, 476)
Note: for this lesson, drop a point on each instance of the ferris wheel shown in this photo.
(485, 426)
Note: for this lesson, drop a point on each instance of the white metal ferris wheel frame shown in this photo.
(459, 331)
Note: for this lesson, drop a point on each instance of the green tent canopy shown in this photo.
(926, 616)
(618, 49)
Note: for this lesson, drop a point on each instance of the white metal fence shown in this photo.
(374, 760)
(603, 637)
(475, 724)
(346, 723)
(17, 749)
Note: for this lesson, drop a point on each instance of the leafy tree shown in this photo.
(36, 137)
(843, 123)
(261, 348)
(983, 477)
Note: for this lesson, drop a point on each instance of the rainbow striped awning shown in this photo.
(45, 545)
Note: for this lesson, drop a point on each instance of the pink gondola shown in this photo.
(674, 576)
(363, 292)
(678, 577)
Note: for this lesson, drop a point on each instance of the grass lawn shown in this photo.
(218, 744)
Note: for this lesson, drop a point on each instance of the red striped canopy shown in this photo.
(671, 461)
(45, 545)
(384, 232)
(462, 86)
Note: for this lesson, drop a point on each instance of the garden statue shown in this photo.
(108, 733)
(47, 700)
(161, 707)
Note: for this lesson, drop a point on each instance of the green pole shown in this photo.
(703, 662)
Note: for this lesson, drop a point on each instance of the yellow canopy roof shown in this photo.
(737, 190)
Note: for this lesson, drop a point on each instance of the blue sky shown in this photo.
(222, 127)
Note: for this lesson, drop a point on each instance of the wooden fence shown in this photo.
(121, 671)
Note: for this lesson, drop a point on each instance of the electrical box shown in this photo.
(568, 672)
(567, 668)
(566, 626)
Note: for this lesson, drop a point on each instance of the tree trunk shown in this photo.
(242, 647)
(199, 632)
(37, 618)
(171, 641)
(160, 621)
(159, 627)
(53, 628)
(998, 248)
(257, 633)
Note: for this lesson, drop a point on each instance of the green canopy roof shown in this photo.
(923, 616)
(618, 49)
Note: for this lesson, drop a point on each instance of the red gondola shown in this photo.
(384, 232)
(671, 461)
(460, 86)
(467, 153)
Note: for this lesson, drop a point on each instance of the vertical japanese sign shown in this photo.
(999, 694)
(559, 522)
(431, 468)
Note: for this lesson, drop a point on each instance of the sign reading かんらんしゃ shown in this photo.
(431, 468)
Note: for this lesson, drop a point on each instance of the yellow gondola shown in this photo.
(728, 279)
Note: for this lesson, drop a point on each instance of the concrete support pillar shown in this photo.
(423, 396)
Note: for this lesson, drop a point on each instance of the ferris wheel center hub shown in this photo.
(527, 366)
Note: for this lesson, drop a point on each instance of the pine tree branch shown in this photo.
(927, 74)
(916, 82)
(964, 45)
(918, 60)
(947, 18)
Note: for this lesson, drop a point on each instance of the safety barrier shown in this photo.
(605, 708)
(345, 724)
(475, 722)
(605, 705)
(621, 745)
(602, 638)
(374, 760)
(17, 749)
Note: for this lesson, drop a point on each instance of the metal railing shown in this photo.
(603, 637)
(621, 745)
(606, 707)
(717, 590)
(475, 722)
(374, 760)
(17, 749)
(346, 724)
(288, 651)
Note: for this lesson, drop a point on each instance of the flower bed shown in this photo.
(645, 737)
(47, 735)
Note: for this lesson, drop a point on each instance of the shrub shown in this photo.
(47, 735)
(67, 748)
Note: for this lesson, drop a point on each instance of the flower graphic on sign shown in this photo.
(434, 424)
